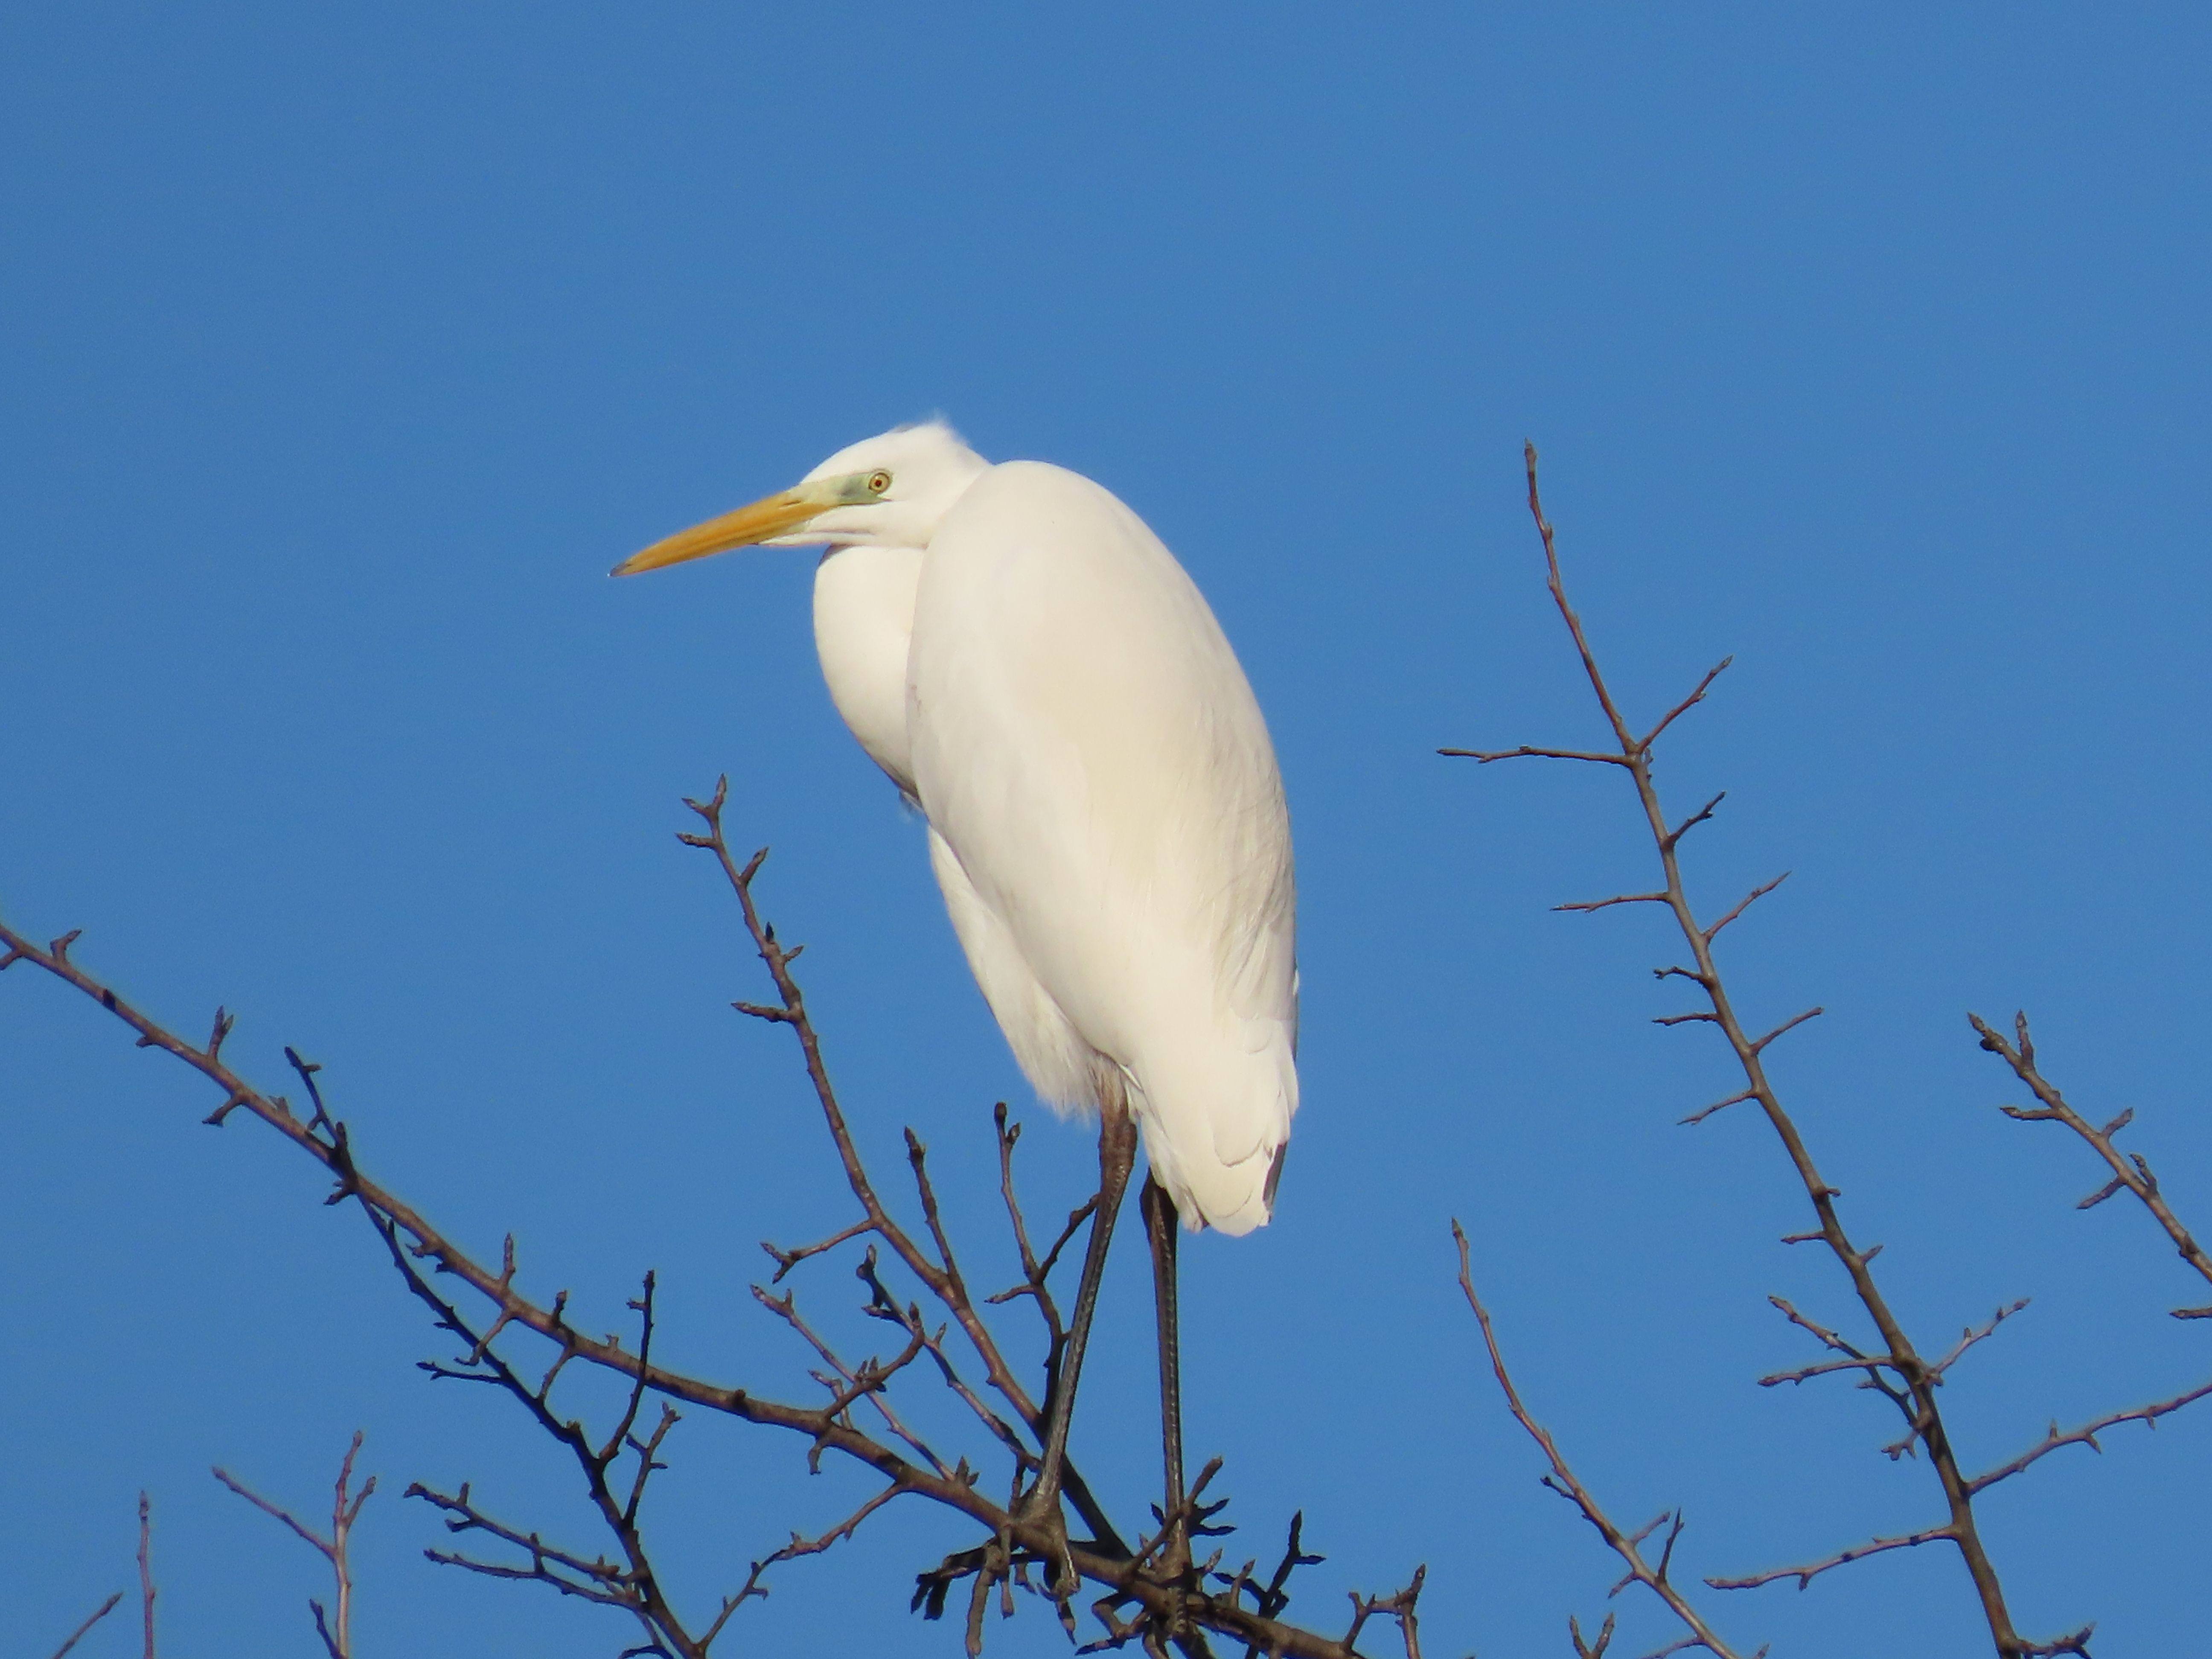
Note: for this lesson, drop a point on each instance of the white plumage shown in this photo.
(1030, 665)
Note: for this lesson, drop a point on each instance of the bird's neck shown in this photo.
(863, 623)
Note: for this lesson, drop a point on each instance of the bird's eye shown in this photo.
(879, 483)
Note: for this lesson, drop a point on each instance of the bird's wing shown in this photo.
(1089, 750)
(1052, 1056)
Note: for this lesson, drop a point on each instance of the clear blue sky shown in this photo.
(342, 348)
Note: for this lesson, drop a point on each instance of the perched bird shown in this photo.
(1030, 666)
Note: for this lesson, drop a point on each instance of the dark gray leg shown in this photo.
(1161, 1229)
(1117, 1156)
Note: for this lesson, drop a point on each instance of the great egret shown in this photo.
(1032, 668)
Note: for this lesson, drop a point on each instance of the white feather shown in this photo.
(1093, 762)
(1033, 669)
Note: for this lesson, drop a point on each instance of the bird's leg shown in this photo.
(1161, 1226)
(1117, 1156)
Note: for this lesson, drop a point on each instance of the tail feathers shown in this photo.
(1235, 1197)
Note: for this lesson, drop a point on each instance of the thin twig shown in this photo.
(1706, 812)
(1593, 905)
(1744, 905)
(336, 1632)
(1271, 1599)
(2133, 1174)
(1971, 1335)
(1562, 1480)
(2087, 1435)
(1399, 1606)
(1527, 753)
(786, 1308)
(145, 1503)
(1034, 1273)
(98, 1613)
(1590, 1649)
(786, 1260)
(1676, 714)
(1806, 1574)
(1736, 1099)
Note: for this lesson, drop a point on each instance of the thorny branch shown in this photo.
(1176, 1610)
(1914, 1391)
(1654, 1576)
(2087, 1435)
(1805, 1575)
(2132, 1172)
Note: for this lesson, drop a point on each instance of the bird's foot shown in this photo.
(1040, 1511)
(1171, 1565)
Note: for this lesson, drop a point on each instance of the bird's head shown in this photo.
(890, 490)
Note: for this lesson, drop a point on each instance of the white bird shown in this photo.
(1031, 667)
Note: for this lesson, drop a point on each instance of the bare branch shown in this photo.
(600, 1581)
(145, 1503)
(917, 1156)
(1271, 1601)
(268, 1508)
(786, 1260)
(1806, 1574)
(786, 1308)
(1035, 1273)
(2133, 1174)
(1827, 1338)
(410, 1238)
(2087, 1435)
(1736, 1099)
(1703, 813)
(335, 1630)
(1525, 753)
(1607, 904)
(1676, 714)
(1744, 905)
(1399, 1606)
(2108, 1190)
(425, 1257)
(1970, 1336)
(1590, 1649)
(1790, 1024)
(800, 1545)
(1825, 1368)
(1629, 749)
(907, 1316)
(1562, 1480)
(1915, 1393)
(97, 1612)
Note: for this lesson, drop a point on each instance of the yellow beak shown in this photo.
(764, 520)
